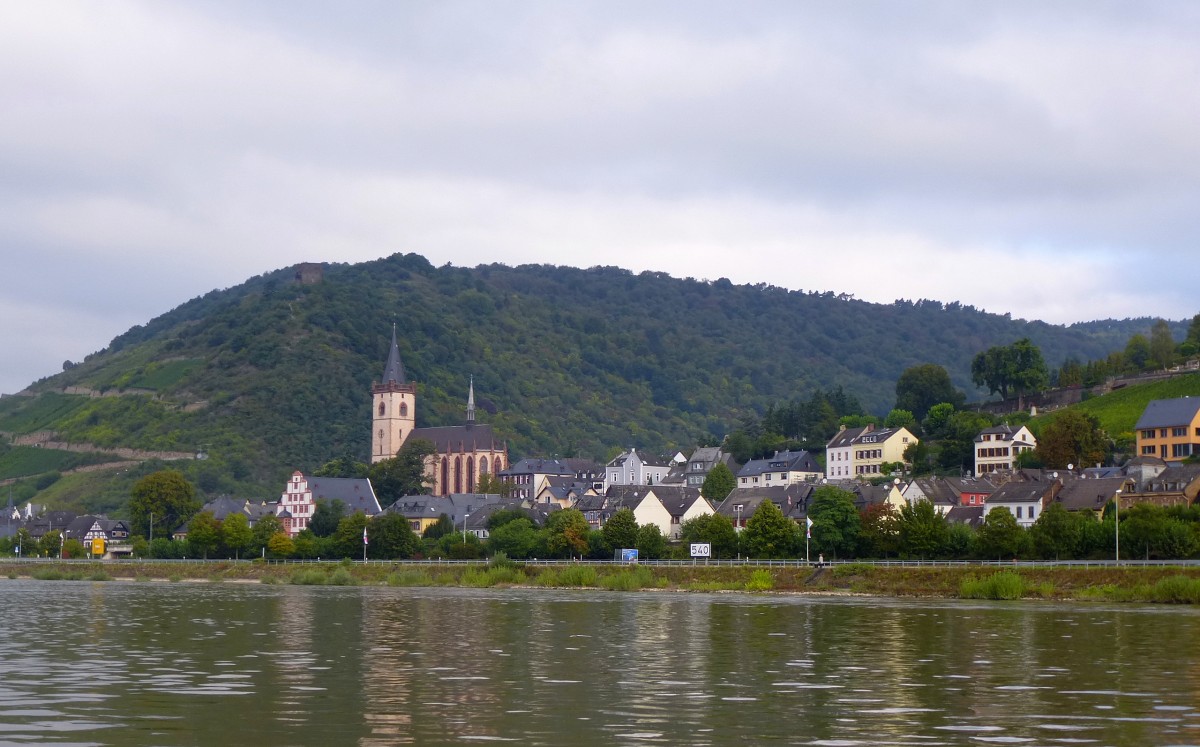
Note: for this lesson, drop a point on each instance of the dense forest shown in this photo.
(274, 374)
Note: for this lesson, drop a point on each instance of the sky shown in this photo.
(1039, 159)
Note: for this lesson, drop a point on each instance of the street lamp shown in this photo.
(1117, 515)
(465, 517)
(738, 508)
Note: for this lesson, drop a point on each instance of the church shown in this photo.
(464, 452)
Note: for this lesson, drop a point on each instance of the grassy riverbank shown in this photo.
(1127, 584)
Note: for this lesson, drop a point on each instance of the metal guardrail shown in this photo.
(740, 562)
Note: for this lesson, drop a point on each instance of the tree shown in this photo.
(879, 535)
(264, 529)
(347, 540)
(203, 534)
(345, 466)
(391, 537)
(1162, 344)
(492, 484)
(280, 545)
(650, 544)
(921, 387)
(326, 517)
(1137, 352)
(718, 483)
(236, 534)
(938, 418)
(621, 530)
(499, 518)
(516, 539)
(168, 496)
(716, 530)
(1000, 536)
(51, 543)
(836, 524)
(923, 532)
(1056, 533)
(901, 419)
(403, 474)
(1191, 344)
(440, 528)
(566, 533)
(1072, 437)
(769, 534)
(1018, 368)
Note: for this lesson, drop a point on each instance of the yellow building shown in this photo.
(1170, 429)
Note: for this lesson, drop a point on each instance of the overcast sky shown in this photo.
(1036, 158)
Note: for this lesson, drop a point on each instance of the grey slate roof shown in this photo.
(792, 499)
(969, 515)
(999, 433)
(455, 505)
(393, 371)
(1019, 492)
(539, 466)
(355, 492)
(1090, 495)
(1165, 413)
(790, 461)
(847, 436)
(449, 439)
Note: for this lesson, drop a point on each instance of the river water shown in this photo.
(124, 663)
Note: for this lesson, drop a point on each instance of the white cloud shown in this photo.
(1017, 158)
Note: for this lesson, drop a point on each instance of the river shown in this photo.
(131, 663)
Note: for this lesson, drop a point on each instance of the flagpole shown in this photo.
(364, 543)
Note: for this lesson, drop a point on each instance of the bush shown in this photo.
(577, 575)
(1176, 590)
(308, 577)
(760, 580)
(341, 577)
(1002, 585)
(628, 580)
(501, 560)
(410, 578)
(99, 576)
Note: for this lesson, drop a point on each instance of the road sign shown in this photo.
(701, 550)
(629, 555)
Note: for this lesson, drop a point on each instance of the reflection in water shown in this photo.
(184, 664)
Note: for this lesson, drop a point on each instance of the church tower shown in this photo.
(393, 407)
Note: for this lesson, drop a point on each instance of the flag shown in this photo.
(808, 529)
(364, 535)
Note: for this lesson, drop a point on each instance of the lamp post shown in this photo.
(738, 508)
(1117, 515)
(465, 517)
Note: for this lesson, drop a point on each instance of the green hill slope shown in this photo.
(1118, 411)
(274, 375)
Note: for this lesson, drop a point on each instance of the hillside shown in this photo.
(1118, 411)
(273, 375)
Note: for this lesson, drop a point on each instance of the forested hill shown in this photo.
(274, 375)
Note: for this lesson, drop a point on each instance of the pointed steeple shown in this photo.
(471, 403)
(394, 371)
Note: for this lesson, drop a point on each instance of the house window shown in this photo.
(1148, 450)
(1179, 432)
(1162, 432)
(1148, 434)
(1181, 450)
(1018, 512)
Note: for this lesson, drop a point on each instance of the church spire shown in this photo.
(471, 403)
(394, 371)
